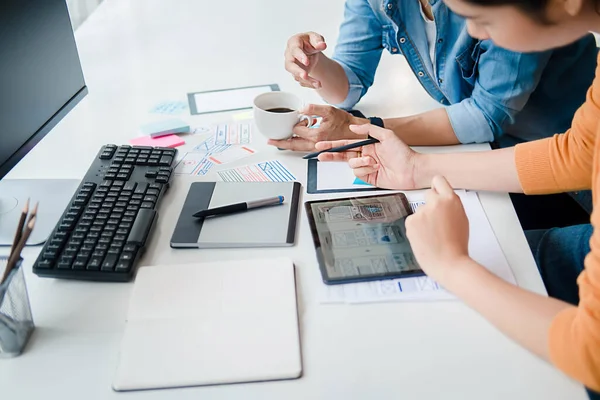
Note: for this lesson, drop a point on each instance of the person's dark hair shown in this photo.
(535, 7)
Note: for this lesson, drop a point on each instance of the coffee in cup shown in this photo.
(276, 114)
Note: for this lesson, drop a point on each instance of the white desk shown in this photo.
(139, 52)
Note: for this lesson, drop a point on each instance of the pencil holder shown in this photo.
(16, 322)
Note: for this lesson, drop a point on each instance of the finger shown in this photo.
(360, 162)
(441, 185)
(298, 54)
(375, 131)
(326, 145)
(317, 109)
(297, 71)
(431, 197)
(345, 156)
(307, 133)
(317, 41)
(295, 144)
(364, 172)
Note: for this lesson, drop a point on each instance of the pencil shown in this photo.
(34, 211)
(16, 254)
(20, 226)
(340, 149)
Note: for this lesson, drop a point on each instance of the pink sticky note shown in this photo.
(163, 141)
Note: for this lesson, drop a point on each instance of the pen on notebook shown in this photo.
(232, 208)
(340, 149)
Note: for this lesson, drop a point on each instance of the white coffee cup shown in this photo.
(278, 125)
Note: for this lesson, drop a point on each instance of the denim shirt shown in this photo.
(488, 91)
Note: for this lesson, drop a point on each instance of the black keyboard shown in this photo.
(103, 231)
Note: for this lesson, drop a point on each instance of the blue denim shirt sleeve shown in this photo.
(358, 49)
(503, 81)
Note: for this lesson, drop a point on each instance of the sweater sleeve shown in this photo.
(563, 162)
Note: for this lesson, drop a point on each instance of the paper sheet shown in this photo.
(194, 164)
(169, 108)
(224, 100)
(209, 146)
(483, 247)
(336, 176)
(233, 153)
(266, 171)
(233, 133)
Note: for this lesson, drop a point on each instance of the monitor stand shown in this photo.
(54, 196)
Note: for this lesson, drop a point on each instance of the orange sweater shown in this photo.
(568, 162)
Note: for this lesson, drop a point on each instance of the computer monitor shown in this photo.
(41, 80)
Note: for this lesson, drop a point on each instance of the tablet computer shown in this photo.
(361, 239)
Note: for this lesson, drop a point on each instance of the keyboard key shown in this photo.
(132, 248)
(44, 264)
(165, 160)
(123, 266)
(162, 179)
(151, 174)
(94, 264)
(99, 253)
(141, 227)
(157, 186)
(109, 262)
(79, 265)
(63, 265)
(141, 188)
(147, 205)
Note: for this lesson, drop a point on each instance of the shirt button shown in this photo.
(440, 80)
(440, 40)
(394, 50)
(390, 6)
(421, 74)
(402, 40)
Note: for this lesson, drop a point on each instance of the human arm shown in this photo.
(501, 84)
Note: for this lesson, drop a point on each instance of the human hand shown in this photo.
(439, 231)
(389, 164)
(302, 54)
(335, 125)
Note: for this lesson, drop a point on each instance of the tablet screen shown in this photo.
(362, 238)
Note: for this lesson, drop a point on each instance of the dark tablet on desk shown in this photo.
(362, 238)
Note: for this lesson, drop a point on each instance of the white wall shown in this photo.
(80, 10)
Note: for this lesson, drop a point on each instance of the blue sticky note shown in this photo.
(360, 182)
(163, 128)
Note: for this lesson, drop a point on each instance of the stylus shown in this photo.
(238, 207)
(340, 149)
